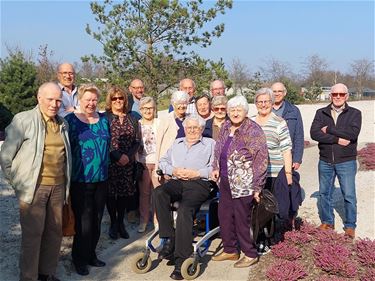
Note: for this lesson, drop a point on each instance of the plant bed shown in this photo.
(317, 255)
(366, 157)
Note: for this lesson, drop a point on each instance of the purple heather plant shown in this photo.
(369, 275)
(283, 270)
(365, 249)
(285, 250)
(308, 228)
(297, 237)
(335, 259)
(332, 236)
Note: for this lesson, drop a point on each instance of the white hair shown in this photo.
(179, 97)
(194, 117)
(264, 91)
(238, 101)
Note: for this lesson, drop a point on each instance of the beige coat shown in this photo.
(166, 135)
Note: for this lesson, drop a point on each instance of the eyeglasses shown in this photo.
(217, 109)
(335, 95)
(147, 108)
(117, 98)
(261, 102)
(193, 128)
(138, 88)
(67, 73)
(278, 91)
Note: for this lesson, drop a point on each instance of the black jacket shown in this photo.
(348, 126)
(289, 198)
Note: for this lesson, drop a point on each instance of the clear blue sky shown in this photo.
(339, 31)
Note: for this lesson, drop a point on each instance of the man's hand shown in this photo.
(289, 179)
(185, 174)
(343, 142)
(296, 166)
(215, 175)
(177, 172)
(123, 160)
(324, 129)
(69, 109)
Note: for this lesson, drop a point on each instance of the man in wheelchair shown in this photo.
(187, 164)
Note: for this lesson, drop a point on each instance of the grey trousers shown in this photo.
(41, 232)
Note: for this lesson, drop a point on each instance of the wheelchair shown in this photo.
(205, 229)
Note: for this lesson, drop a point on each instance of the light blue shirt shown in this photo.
(279, 112)
(198, 157)
(68, 100)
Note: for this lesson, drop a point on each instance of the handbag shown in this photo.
(68, 220)
(263, 213)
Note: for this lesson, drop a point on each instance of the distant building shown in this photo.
(324, 94)
(367, 92)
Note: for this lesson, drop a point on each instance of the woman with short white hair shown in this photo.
(240, 163)
(278, 139)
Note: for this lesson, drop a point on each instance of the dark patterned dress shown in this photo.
(124, 140)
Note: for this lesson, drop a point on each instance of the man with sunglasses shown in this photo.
(137, 91)
(66, 77)
(336, 127)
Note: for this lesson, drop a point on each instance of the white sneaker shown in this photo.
(263, 249)
(142, 227)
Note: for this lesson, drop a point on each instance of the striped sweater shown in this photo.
(278, 141)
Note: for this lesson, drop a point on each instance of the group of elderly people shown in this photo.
(202, 139)
(216, 141)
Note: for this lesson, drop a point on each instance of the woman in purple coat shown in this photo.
(240, 166)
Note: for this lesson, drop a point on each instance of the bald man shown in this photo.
(36, 160)
(217, 88)
(137, 91)
(66, 78)
(291, 114)
(336, 127)
(187, 85)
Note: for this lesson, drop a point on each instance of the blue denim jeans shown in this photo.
(345, 173)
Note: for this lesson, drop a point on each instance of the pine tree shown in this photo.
(18, 85)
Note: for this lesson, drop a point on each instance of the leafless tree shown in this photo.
(363, 72)
(315, 68)
(276, 70)
(46, 67)
(239, 74)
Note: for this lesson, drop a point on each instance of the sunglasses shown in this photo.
(117, 98)
(338, 94)
(217, 109)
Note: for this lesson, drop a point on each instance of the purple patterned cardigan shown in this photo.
(247, 157)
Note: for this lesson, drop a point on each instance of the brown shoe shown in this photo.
(246, 262)
(226, 257)
(350, 232)
(326, 226)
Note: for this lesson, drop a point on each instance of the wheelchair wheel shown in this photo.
(188, 270)
(137, 265)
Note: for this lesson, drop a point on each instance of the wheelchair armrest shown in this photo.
(205, 207)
